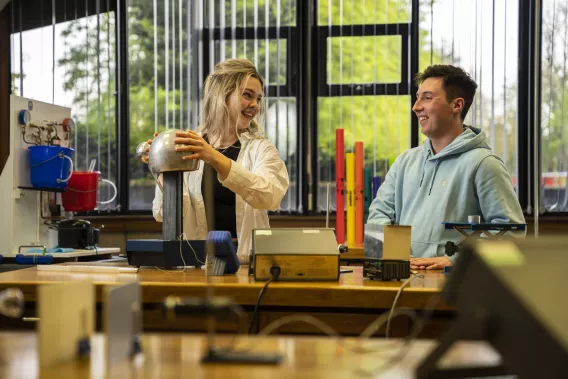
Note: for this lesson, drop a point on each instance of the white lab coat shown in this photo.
(259, 179)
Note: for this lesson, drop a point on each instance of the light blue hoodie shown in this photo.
(423, 190)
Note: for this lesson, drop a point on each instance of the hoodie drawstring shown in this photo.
(423, 168)
(434, 176)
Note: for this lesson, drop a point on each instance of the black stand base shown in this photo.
(386, 269)
(462, 327)
(165, 254)
(242, 357)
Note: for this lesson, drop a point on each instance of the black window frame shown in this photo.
(364, 89)
(409, 32)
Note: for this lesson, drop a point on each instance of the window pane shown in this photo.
(246, 13)
(246, 49)
(363, 12)
(554, 116)
(381, 122)
(450, 35)
(281, 130)
(364, 59)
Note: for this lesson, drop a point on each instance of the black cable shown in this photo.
(257, 306)
(274, 272)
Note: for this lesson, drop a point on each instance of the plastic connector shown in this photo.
(275, 272)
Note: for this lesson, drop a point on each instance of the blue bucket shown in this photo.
(50, 166)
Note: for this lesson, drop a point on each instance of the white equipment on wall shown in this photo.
(25, 224)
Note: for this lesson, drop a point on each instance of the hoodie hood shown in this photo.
(471, 138)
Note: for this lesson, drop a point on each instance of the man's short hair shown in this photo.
(455, 81)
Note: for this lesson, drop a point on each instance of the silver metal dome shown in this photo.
(141, 153)
(163, 156)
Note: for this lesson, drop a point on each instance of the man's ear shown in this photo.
(458, 105)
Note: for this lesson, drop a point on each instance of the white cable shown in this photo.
(399, 292)
(385, 317)
(191, 247)
(308, 319)
(405, 348)
(180, 251)
(329, 331)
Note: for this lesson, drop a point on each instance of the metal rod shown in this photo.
(374, 89)
(341, 61)
(22, 52)
(222, 30)
(431, 31)
(536, 118)
(267, 51)
(98, 11)
(481, 70)
(167, 57)
(475, 66)
(211, 11)
(155, 17)
(53, 51)
(189, 59)
(87, 84)
(180, 36)
(244, 26)
(493, 139)
(329, 81)
(414, 67)
(278, 56)
(76, 131)
(174, 67)
(453, 28)
(352, 79)
(505, 86)
(108, 98)
(255, 26)
(234, 29)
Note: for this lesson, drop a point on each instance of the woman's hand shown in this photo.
(199, 148)
(151, 140)
(195, 144)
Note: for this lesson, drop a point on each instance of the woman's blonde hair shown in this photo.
(226, 80)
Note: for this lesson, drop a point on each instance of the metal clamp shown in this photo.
(32, 246)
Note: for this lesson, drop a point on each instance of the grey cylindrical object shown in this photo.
(474, 219)
(172, 223)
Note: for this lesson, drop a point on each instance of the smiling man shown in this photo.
(454, 174)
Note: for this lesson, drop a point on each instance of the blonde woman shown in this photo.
(251, 176)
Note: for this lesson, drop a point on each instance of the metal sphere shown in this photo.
(141, 153)
(163, 156)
